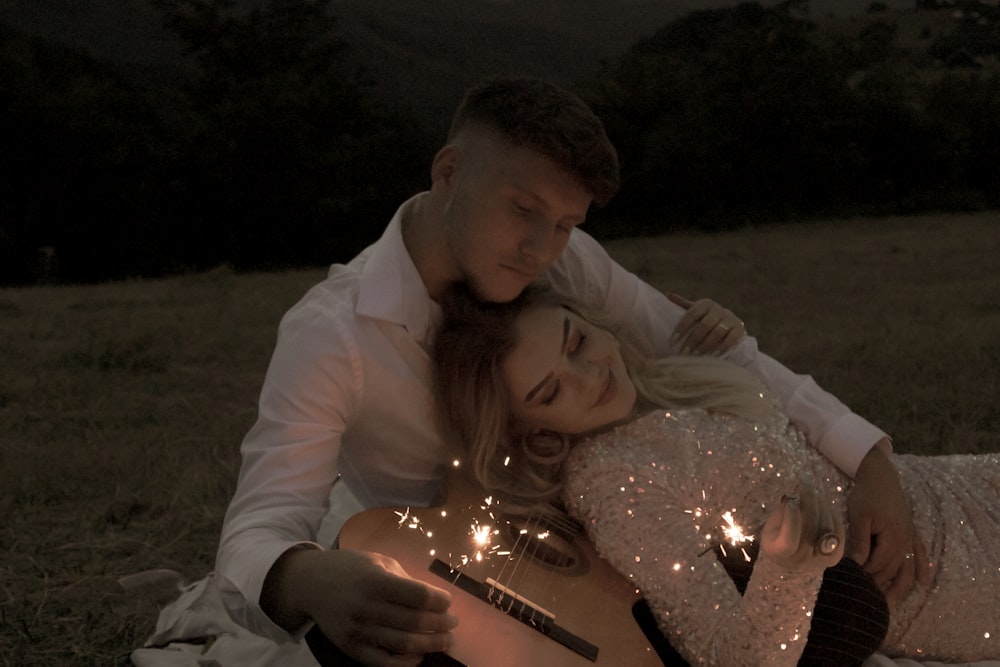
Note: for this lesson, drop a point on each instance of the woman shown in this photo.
(660, 459)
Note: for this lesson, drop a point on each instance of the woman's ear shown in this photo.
(519, 429)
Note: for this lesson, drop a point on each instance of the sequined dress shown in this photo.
(654, 493)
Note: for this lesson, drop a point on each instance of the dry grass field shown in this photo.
(122, 405)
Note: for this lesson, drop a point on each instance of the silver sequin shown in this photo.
(662, 484)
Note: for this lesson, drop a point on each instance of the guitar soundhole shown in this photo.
(545, 545)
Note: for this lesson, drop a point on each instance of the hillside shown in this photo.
(122, 158)
(422, 59)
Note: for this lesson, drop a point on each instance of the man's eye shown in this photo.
(551, 396)
(578, 345)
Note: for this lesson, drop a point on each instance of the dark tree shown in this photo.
(289, 159)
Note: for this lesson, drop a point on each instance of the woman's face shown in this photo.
(566, 375)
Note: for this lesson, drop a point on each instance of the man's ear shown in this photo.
(445, 165)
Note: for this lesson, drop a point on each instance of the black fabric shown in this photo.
(849, 622)
(328, 655)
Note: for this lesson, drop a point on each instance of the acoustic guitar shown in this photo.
(528, 588)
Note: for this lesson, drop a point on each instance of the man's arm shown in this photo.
(839, 434)
(274, 579)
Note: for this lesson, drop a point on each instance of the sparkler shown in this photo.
(732, 531)
(735, 534)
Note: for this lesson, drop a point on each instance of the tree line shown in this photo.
(275, 150)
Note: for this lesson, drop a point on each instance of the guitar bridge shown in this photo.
(515, 598)
(515, 606)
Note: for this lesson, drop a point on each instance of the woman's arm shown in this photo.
(652, 536)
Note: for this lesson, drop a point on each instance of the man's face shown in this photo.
(509, 216)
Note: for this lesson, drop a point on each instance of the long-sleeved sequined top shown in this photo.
(654, 496)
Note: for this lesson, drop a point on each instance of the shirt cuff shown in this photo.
(848, 440)
(242, 599)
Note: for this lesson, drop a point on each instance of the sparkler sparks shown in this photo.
(734, 533)
(731, 531)
(482, 535)
(407, 520)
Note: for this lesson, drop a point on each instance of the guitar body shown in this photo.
(525, 593)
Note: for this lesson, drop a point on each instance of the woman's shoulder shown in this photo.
(646, 429)
(677, 429)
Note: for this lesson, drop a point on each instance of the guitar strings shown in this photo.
(532, 542)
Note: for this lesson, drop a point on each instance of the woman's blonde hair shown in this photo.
(474, 408)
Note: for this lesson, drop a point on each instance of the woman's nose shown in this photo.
(587, 371)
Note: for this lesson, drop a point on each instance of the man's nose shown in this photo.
(537, 242)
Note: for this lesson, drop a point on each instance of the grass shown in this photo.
(122, 405)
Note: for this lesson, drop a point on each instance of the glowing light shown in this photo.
(733, 531)
(410, 521)
(456, 463)
(481, 535)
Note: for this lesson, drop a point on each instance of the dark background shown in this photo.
(147, 137)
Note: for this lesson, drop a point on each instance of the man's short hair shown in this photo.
(539, 115)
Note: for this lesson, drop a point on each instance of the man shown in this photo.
(346, 403)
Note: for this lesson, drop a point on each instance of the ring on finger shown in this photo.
(827, 544)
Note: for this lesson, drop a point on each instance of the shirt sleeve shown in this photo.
(289, 460)
(644, 532)
(589, 273)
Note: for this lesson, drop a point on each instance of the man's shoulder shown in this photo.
(334, 298)
(582, 264)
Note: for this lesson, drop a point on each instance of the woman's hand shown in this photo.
(706, 328)
(804, 532)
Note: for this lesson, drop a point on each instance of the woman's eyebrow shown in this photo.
(562, 350)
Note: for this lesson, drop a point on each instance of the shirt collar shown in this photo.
(391, 288)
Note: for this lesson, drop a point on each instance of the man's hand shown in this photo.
(881, 534)
(706, 328)
(364, 603)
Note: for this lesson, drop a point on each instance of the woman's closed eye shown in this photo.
(550, 396)
(577, 344)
